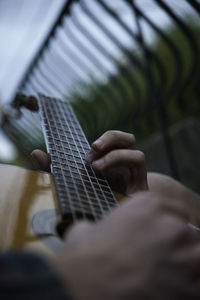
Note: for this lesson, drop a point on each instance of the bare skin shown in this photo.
(124, 167)
(143, 249)
(115, 155)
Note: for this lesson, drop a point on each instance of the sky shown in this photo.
(24, 24)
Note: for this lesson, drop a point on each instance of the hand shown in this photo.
(43, 159)
(114, 154)
(142, 250)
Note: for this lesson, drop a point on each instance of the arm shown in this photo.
(142, 250)
(163, 184)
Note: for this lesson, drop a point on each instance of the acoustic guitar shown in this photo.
(37, 207)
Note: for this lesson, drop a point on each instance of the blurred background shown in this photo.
(131, 65)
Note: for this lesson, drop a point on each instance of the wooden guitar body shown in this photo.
(33, 204)
(28, 210)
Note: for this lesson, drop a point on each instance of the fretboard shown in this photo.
(81, 193)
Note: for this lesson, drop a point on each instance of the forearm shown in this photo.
(160, 183)
(173, 189)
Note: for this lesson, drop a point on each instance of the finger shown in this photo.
(110, 140)
(113, 139)
(31, 103)
(92, 155)
(43, 159)
(122, 157)
(78, 232)
(163, 205)
(189, 258)
(132, 159)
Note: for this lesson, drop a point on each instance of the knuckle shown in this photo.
(111, 133)
(110, 157)
(132, 138)
(109, 136)
(141, 156)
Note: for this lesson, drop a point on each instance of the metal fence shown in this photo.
(120, 52)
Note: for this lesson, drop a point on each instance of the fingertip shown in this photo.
(35, 153)
(98, 164)
(98, 144)
(32, 103)
(90, 157)
(42, 158)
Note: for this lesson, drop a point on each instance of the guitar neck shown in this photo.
(81, 193)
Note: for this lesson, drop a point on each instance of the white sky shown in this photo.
(23, 25)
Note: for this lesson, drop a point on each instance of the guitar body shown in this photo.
(30, 209)
(27, 210)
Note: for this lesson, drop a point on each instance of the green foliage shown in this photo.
(132, 99)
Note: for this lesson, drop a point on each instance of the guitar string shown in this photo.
(65, 113)
(63, 203)
(80, 137)
(90, 193)
(103, 182)
(44, 104)
(79, 167)
(92, 171)
(85, 169)
(82, 169)
(97, 181)
(81, 207)
(87, 183)
(86, 192)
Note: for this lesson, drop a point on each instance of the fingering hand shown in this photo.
(114, 154)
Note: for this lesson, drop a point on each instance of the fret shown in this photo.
(62, 159)
(84, 197)
(65, 148)
(81, 192)
(74, 146)
(77, 208)
(63, 127)
(86, 180)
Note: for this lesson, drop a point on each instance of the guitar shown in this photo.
(36, 207)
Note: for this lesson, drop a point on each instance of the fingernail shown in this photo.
(98, 163)
(89, 158)
(98, 143)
